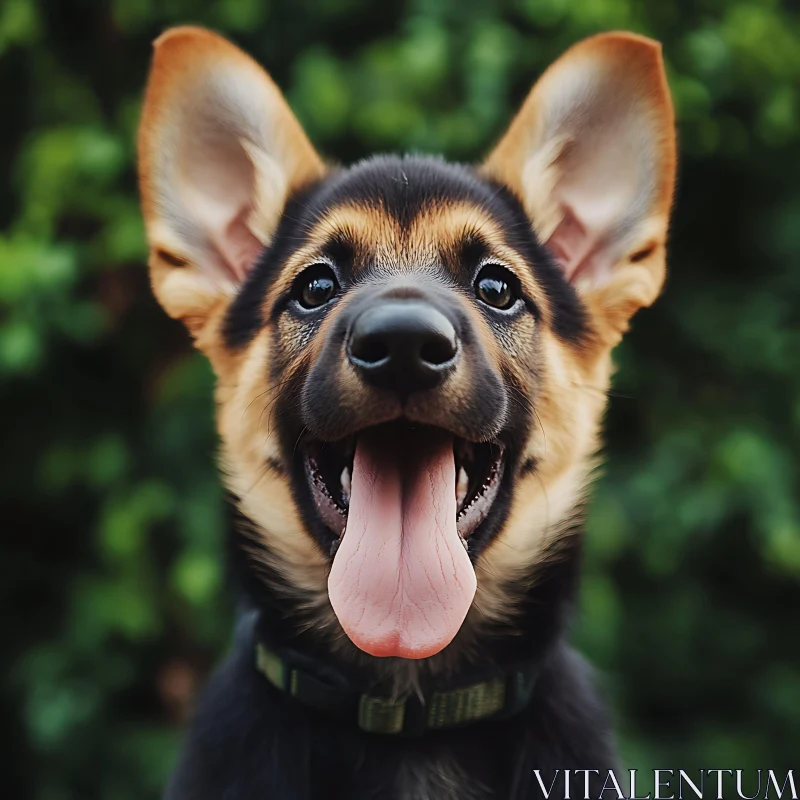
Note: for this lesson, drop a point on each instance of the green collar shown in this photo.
(499, 695)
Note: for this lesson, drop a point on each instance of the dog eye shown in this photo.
(315, 286)
(494, 286)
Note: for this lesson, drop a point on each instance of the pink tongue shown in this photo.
(402, 582)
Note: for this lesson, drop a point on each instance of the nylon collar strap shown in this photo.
(499, 696)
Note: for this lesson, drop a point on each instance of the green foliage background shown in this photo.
(112, 598)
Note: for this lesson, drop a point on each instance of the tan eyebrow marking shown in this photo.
(378, 238)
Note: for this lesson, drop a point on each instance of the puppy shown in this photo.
(412, 361)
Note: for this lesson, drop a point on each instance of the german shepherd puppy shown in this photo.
(412, 361)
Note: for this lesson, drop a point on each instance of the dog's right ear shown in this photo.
(219, 153)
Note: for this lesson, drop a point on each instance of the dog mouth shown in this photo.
(401, 501)
(478, 470)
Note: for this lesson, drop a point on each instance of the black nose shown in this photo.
(403, 345)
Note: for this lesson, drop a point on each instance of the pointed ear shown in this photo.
(219, 153)
(591, 156)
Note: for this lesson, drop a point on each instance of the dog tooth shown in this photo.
(345, 481)
(462, 484)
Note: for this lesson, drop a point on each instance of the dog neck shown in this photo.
(535, 624)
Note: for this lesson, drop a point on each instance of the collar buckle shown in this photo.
(501, 695)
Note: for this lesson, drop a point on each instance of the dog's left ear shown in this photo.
(219, 153)
(591, 156)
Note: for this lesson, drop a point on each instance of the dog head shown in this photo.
(412, 357)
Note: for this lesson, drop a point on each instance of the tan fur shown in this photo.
(194, 73)
(570, 399)
(566, 384)
(616, 89)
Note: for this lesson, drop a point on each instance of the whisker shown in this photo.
(260, 394)
(272, 390)
(526, 405)
(299, 436)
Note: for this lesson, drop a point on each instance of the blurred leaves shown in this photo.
(113, 569)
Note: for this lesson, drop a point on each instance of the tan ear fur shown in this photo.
(591, 155)
(219, 153)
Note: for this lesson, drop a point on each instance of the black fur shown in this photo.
(402, 186)
(250, 741)
(245, 318)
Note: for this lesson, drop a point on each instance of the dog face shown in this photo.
(412, 356)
